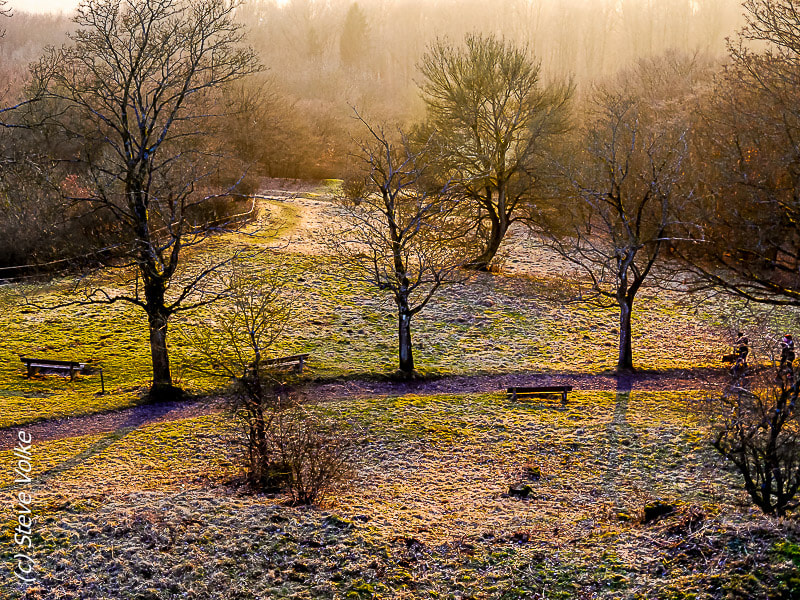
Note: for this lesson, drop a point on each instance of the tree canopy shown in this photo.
(132, 99)
(493, 120)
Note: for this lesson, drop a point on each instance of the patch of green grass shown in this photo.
(493, 324)
(428, 515)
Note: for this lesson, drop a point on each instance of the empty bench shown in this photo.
(61, 367)
(516, 393)
(298, 360)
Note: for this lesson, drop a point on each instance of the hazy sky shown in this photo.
(43, 5)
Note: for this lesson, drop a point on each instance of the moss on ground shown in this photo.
(436, 509)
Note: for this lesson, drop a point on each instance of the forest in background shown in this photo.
(324, 57)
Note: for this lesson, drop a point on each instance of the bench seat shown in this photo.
(515, 393)
(296, 359)
(34, 365)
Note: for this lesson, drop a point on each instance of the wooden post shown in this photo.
(102, 383)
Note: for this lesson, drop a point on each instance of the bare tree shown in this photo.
(622, 189)
(5, 11)
(235, 344)
(397, 235)
(136, 90)
(756, 426)
(748, 164)
(492, 117)
(283, 445)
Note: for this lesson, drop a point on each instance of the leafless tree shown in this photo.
(623, 187)
(5, 11)
(283, 444)
(136, 90)
(492, 117)
(397, 235)
(748, 164)
(755, 424)
(234, 344)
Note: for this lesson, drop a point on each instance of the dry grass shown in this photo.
(156, 511)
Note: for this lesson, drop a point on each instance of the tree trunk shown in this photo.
(625, 362)
(162, 378)
(404, 333)
(157, 317)
(496, 235)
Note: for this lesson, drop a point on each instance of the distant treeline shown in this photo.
(322, 59)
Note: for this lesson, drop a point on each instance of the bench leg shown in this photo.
(564, 397)
(300, 366)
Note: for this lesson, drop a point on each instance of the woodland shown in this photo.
(400, 299)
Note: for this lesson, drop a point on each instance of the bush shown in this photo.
(317, 459)
(283, 446)
(756, 426)
(289, 449)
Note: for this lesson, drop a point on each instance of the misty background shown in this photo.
(324, 57)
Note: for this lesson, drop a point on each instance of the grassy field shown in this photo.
(155, 510)
(493, 324)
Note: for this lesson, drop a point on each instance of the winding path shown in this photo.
(146, 414)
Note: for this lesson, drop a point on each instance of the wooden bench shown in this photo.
(34, 365)
(298, 360)
(515, 393)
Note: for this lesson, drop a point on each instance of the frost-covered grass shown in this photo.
(153, 512)
(493, 324)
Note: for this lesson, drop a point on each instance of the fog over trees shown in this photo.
(324, 56)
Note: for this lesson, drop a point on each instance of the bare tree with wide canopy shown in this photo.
(397, 232)
(620, 205)
(493, 119)
(134, 94)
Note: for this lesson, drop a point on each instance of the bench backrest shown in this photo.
(539, 389)
(47, 361)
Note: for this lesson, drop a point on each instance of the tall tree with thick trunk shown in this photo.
(620, 201)
(493, 119)
(134, 93)
(397, 233)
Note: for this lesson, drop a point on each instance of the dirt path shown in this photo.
(147, 414)
(674, 380)
(314, 216)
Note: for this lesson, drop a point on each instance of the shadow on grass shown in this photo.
(124, 424)
(98, 447)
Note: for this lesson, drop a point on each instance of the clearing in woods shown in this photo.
(459, 493)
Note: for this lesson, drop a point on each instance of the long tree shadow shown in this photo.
(133, 421)
(617, 430)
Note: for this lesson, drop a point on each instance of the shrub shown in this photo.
(756, 426)
(318, 460)
(286, 448)
(282, 445)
